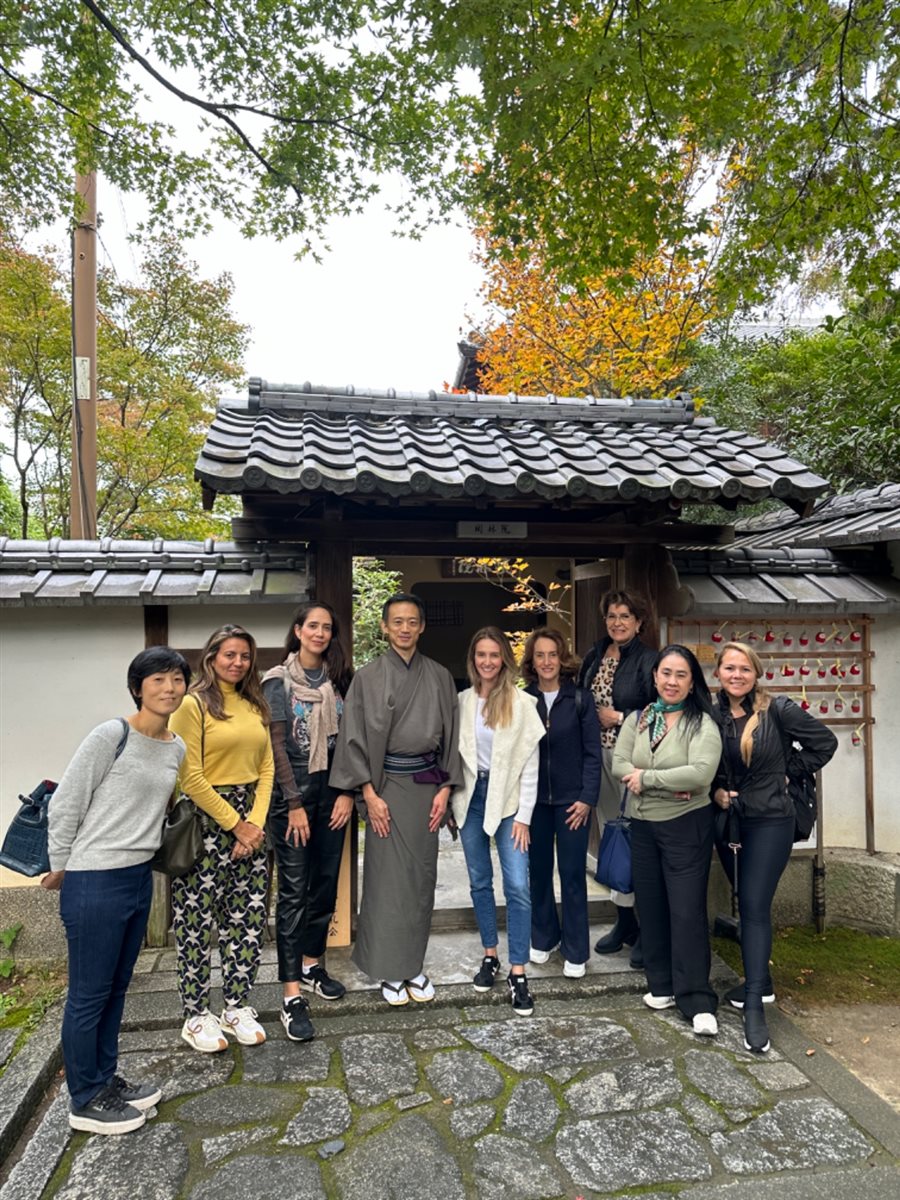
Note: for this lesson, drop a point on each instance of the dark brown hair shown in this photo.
(630, 600)
(339, 670)
(568, 662)
(207, 686)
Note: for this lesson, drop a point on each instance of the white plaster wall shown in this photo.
(62, 671)
(886, 734)
(191, 625)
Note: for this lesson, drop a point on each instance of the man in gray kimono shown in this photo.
(398, 746)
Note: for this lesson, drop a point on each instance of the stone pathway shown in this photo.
(594, 1096)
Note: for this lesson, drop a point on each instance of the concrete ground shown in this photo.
(593, 1096)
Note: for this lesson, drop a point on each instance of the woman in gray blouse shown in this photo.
(106, 820)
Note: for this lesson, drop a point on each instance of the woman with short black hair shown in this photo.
(105, 825)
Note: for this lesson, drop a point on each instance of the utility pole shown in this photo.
(83, 501)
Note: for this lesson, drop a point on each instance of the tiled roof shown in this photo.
(159, 572)
(305, 438)
(777, 580)
(866, 516)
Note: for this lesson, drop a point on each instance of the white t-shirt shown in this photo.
(484, 739)
(550, 699)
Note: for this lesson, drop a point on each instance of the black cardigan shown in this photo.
(633, 687)
(775, 753)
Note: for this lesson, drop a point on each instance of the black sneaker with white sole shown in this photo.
(756, 1031)
(139, 1095)
(295, 1019)
(317, 980)
(487, 973)
(735, 996)
(519, 995)
(107, 1113)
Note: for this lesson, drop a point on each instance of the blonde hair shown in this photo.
(498, 705)
(761, 698)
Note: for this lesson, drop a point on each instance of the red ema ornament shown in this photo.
(804, 638)
(821, 672)
(838, 670)
(804, 704)
(788, 639)
(717, 637)
(823, 707)
(839, 639)
(855, 739)
(770, 672)
(855, 669)
(752, 636)
(855, 636)
(788, 671)
(804, 670)
(770, 636)
(838, 705)
(821, 637)
(856, 707)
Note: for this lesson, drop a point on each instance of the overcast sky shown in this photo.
(379, 311)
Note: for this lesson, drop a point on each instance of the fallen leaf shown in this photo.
(866, 1040)
(810, 1052)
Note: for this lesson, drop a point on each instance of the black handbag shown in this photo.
(25, 845)
(182, 836)
(614, 855)
(182, 841)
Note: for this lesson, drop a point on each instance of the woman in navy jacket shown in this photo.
(617, 673)
(568, 786)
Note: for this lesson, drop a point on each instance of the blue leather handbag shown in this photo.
(614, 855)
(25, 845)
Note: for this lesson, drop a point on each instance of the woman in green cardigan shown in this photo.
(667, 756)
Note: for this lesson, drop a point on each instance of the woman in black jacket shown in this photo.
(568, 785)
(618, 673)
(759, 738)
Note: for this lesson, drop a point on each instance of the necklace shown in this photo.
(316, 676)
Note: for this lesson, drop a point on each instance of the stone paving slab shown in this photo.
(594, 1097)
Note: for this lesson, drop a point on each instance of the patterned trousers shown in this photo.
(230, 894)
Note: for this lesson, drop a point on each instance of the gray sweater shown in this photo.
(108, 812)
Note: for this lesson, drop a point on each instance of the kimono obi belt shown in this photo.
(423, 767)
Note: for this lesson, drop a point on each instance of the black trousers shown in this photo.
(766, 844)
(671, 862)
(307, 877)
(548, 827)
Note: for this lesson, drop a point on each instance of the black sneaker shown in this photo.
(317, 980)
(139, 1095)
(295, 1019)
(756, 1031)
(107, 1113)
(487, 973)
(519, 995)
(735, 995)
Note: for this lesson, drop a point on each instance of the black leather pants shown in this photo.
(307, 877)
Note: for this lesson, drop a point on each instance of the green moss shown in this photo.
(839, 966)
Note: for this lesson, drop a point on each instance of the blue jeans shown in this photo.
(514, 867)
(105, 916)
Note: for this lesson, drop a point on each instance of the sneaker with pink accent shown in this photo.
(203, 1033)
(242, 1024)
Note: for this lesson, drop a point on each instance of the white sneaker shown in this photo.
(539, 957)
(203, 1033)
(705, 1025)
(242, 1024)
(573, 970)
(658, 1001)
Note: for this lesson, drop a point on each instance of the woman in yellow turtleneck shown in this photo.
(228, 773)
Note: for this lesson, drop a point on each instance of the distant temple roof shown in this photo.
(290, 438)
(864, 516)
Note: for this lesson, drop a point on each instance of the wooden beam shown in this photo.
(156, 625)
(396, 530)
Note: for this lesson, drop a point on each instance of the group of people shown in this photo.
(280, 760)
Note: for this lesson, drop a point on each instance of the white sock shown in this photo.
(419, 980)
(394, 983)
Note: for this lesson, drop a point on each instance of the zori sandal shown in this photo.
(395, 995)
(421, 989)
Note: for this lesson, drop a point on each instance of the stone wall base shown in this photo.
(862, 891)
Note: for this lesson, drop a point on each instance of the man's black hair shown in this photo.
(402, 598)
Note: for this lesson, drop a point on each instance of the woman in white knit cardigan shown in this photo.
(499, 732)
